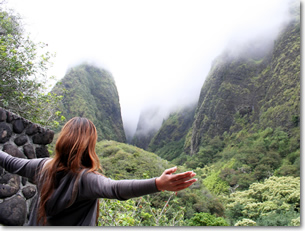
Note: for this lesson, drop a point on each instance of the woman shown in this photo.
(69, 184)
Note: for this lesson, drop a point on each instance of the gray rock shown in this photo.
(5, 132)
(21, 140)
(42, 152)
(13, 211)
(44, 137)
(7, 191)
(13, 150)
(18, 126)
(29, 151)
(31, 129)
(9, 185)
(29, 191)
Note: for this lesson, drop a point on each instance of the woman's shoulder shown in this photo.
(91, 174)
(93, 179)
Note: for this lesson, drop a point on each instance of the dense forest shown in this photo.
(242, 138)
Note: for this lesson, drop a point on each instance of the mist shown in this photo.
(159, 52)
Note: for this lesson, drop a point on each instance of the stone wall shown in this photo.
(20, 138)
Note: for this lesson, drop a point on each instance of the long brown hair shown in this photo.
(74, 151)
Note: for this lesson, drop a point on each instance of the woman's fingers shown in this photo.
(185, 185)
(170, 170)
(183, 180)
(183, 176)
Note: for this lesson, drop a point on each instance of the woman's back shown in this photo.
(65, 207)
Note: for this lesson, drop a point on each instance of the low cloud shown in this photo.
(159, 52)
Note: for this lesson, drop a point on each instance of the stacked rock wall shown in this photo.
(20, 138)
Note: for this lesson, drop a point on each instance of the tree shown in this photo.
(23, 73)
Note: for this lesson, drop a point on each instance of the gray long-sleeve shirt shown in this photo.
(90, 187)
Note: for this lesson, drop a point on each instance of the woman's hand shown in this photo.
(175, 182)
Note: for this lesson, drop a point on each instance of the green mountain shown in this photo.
(262, 91)
(91, 92)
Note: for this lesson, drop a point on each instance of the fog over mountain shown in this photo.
(159, 52)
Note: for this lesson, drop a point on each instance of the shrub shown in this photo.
(206, 219)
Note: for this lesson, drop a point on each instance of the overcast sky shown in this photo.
(158, 51)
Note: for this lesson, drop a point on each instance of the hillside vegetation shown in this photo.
(124, 161)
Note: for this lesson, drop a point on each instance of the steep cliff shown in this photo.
(91, 92)
(261, 87)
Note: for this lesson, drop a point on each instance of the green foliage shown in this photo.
(23, 79)
(276, 202)
(295, 222)
(139, 212)
(117, 213)
(206, 219)
(207, 152)
(258, 155)
(171, 150)
(215, 184)
(279, 218)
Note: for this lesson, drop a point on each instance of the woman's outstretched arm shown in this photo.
(97, 186)
(23, 167)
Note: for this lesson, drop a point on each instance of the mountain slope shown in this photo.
(123, 161)
(262, 90)
(91, 92)
(168, 142)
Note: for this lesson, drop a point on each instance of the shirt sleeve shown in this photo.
(23, 167)
(98, 186)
